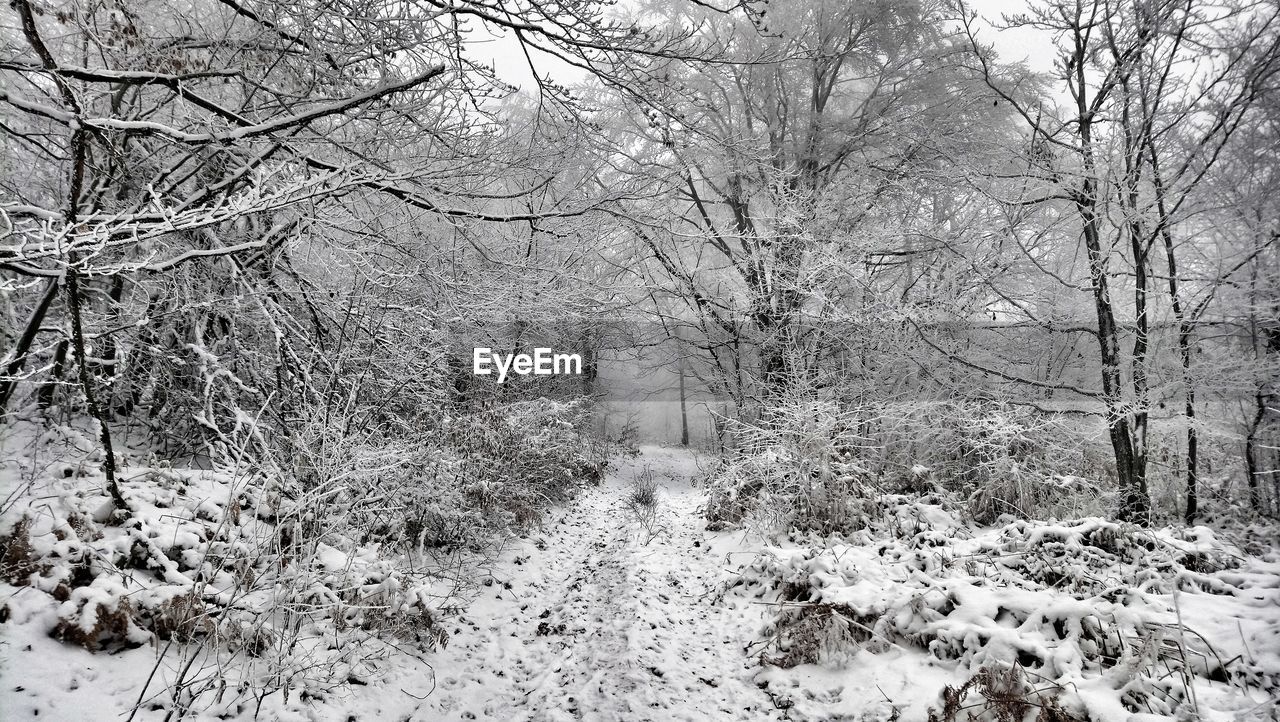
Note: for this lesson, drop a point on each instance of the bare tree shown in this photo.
(785, 168)
(1131, 109)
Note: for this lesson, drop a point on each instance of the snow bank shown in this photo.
(1088, 617)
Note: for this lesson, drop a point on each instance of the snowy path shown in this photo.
(589, 622)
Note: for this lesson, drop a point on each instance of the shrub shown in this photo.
(810, 465)
(98, 615)
(1002, 695)
(796, 466)
(644, 491)
(817, 633)
(1058, 603)
(17, 557)
(642, 502)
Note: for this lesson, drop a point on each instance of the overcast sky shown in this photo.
(1019, 44)
(1013, 45)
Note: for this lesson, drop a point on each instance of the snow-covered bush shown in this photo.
(1002, 694)
(796, 466)
(1076, 607)
(284, 578)
(811, 465)
(1002, 459)
(516, 459)
(817, 634)
(216, 564)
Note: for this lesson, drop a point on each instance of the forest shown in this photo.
(913, 360)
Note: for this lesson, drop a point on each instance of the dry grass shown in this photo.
(642, 503)
(1001, 695)
(817, 633)
(18, 560)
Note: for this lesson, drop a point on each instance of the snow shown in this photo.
(593, 616)
(587, 621)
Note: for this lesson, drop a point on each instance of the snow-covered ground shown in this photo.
(597, 616)
(593, 617)
(588, 621)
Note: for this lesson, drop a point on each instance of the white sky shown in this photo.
(1027, 44)
(512, 67)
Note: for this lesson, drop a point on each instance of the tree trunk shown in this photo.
(109, 350)
(1184, 335)
(1185, 348)
(14, 368)
(45, 396)
(684, 412)
(79, 148)
(1193, 476)
(1135, 505)
(1251, 465)
(1131, 471)
(86, 383)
